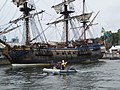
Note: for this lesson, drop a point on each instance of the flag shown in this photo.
(104, 32)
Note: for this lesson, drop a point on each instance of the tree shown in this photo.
(110, 39)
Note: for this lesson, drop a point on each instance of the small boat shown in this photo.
(59, 71)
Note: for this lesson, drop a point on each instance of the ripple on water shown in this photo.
(103, 75)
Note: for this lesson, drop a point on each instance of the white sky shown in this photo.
(109, 16)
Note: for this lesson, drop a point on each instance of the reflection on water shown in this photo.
(96, 76)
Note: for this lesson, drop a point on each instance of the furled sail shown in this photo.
(81, 17)
(18, 2)
(58, 7)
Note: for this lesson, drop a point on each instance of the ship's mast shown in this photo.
(25, 9)
(66, 16)
(84, 22)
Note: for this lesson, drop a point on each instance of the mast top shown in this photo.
(19, 2)
(58, 8)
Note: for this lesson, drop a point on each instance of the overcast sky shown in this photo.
(109, 16)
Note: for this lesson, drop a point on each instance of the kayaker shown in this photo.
(58, 65)
(63, 64)
(54, 67)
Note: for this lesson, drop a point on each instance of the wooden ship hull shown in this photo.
(45, 54)
(49, 56)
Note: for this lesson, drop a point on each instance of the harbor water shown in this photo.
(103, 75)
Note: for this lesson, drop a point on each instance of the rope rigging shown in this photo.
(41, 28)
(21, 18)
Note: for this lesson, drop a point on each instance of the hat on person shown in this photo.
(63, 61)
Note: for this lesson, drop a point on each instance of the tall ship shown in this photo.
(76, 50)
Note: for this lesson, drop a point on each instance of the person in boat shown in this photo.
(57, 66)
(63, 64)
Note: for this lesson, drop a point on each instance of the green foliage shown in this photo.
(112, 39)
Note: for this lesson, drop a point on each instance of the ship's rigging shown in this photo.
(13, 24)
(82, 20)
(65, 8)
(44, 53)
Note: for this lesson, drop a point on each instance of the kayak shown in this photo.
(59, 71)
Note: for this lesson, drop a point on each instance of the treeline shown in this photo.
(111, 39)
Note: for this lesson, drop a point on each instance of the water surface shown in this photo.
(104, 75)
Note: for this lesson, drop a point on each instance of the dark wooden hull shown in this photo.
(51, 56)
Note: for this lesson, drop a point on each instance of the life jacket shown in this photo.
(63, 64)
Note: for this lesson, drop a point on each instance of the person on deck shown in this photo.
(63, 64)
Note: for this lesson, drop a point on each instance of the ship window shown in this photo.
(63, 53)
(57, 53)
(69, 53)
(73, 52)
